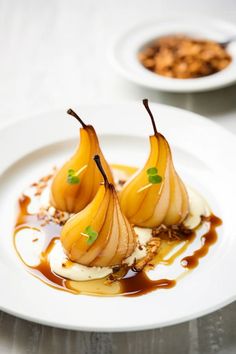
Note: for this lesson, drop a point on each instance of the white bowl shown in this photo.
(123, 53)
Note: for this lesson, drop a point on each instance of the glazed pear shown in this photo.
(155, 195)
(99, 235)
(77, 182)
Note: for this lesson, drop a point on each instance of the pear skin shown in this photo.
(155, 195)
(73, 194)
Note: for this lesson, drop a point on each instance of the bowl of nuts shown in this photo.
(183, 54)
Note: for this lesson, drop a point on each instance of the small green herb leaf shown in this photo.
(72, 178)
(153, 176)
(92, 234)
(155, 179)
(152, 171)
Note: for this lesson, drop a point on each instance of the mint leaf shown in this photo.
(91, 239)
(92, 235)
(153, 176)
(73, 180)
(71, 172)
(155, 179)
(71, 177)
(152, 171)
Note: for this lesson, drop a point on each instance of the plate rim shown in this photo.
(119, 328)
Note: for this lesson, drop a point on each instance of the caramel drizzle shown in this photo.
(133, 283)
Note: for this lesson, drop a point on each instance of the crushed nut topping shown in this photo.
(50, 214)
(184, 57)
(172, 233)
(120, 271)
(152, 250)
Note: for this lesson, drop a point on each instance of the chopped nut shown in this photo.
(184, 57)
(118, 273)
(152, 250)
(172, 233)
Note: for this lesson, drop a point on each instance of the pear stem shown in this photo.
(99, 165)
(145, 103)
(72, 113)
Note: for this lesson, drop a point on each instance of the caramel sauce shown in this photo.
(24, 202)
(138, 283)
(51, 232)
(132, 283)
(168, 247)
(208, 239)
(43, 270)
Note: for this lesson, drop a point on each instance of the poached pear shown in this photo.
(99, 235)
(155, 195)
(77, 182)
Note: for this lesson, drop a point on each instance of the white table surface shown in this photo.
(54, 55)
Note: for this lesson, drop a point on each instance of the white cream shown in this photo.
(75, 271)
(198, 208)
(144, 235)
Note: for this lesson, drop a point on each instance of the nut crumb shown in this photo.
(183, 57)
(152, 250)
(172, 233)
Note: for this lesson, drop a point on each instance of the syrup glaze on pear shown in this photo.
(77, 182)
(155, 195)
(99, 235)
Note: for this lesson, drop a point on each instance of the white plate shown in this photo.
(204, 155)
(123, 53)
